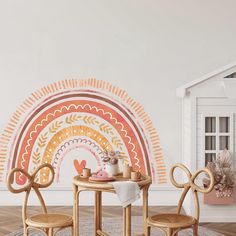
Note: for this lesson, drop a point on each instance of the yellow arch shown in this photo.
(60, 136)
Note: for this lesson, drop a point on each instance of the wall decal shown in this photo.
(79, 166)
(88, 116)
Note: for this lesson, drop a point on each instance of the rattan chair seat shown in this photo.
(171, 220)
(49, 220)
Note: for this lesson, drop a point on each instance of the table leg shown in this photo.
(50, 232)
(98, 212)
(127, 221)
(124, 220)
(146, 229)
(75, 210)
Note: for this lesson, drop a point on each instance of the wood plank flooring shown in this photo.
(10, 217)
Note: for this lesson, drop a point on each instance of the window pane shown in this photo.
(209, 157)
(224, 124)
(210, 124)
(224, 142)
(210, 143)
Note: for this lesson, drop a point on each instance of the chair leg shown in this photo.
(195, 229)
(25, 230)
(147, 230)
(72, 230)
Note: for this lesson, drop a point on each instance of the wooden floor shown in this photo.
(10, 217)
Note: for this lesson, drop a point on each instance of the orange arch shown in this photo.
(77, 130)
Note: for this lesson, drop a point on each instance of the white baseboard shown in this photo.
(213, 213)
(219, 219)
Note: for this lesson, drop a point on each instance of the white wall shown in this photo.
(146, 47)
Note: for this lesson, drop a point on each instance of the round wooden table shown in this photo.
(82, 184)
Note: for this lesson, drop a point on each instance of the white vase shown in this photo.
(112, 169)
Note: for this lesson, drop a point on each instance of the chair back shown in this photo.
(190, 184)
(30, 184)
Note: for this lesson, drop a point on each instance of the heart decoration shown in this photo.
(79, 166)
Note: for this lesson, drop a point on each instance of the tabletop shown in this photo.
(86, 183)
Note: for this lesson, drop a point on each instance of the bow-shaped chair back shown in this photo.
(31, 183)
(190, 184)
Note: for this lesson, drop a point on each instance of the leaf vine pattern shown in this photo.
(90, 120)
(124, 157)
(36, 161)
(72, 118)
(55, 126)
(106, 129)
(43, 140)
(117, 142)
(36, 157)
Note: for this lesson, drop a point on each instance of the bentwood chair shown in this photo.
(171, 224)
(48, 223)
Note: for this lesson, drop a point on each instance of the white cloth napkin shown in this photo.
(127, 191)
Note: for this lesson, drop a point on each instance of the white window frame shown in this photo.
(217, 134)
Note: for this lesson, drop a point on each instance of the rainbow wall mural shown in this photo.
(90, 114)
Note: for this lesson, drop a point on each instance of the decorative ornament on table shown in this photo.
(79, 166)
(101, 176)
(111, 162)
(224, 177)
